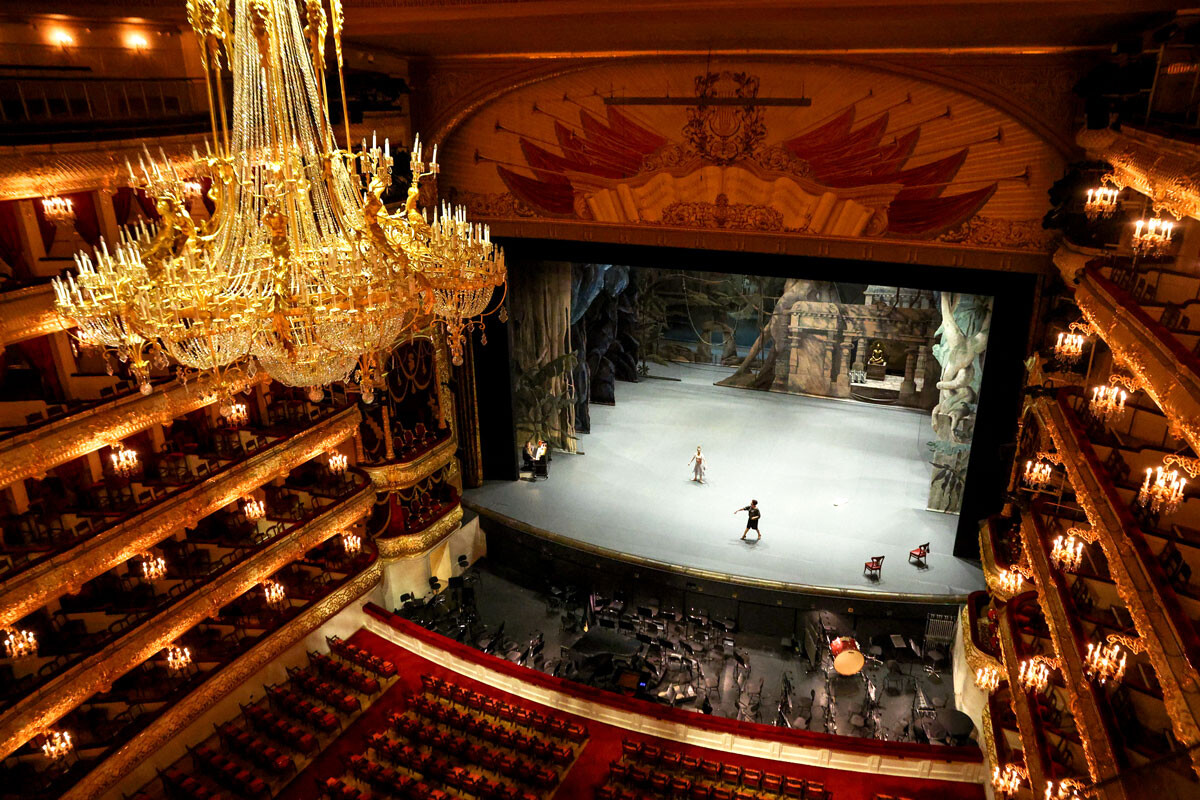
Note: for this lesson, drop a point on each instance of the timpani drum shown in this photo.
(847, 658)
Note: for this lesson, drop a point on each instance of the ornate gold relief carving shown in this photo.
(1165, 170)
(33, 453)
(172, 722)
(402, 475)
(33, 713)
(28, 313)
(39, 585)
(976, 659)
(413, 544)
(1020, 704)
(1176, 676)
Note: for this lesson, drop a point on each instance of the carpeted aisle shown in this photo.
(604, 744)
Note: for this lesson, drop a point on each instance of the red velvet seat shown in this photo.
(918, 555)
(874, 567)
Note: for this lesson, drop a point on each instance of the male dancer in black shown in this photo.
(751, 519)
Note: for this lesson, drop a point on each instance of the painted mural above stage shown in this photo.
(817, 149)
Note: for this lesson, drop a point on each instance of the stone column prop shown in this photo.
(908, 386)
(861, 355)
(842, 386)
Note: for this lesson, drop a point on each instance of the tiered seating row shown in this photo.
(363, 658)
(649, 771)
(502, 710)
(343, 674)
(313, 686)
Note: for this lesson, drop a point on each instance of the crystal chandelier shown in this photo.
(1152, 237)
(57, 745)
(19, 643)
(124, 462)
(178, 658)
(1101, 202)
(236, 414)
(300, 270)
(1066, 553)
(337, 463)
(987, 678)
(1008, 780)
(1162, 494)
(274, 594)
(153, 567)
(253, 509)
(1035, 673)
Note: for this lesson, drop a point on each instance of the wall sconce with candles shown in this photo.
(1038, 471)
(351, 543)
(337, 463)
(1008, 780)
(1034, 675)
(1010, 580)
(1103, 201)
(236, 414)
(1066, 789)
(987, 678)
(1162, 491)
(178, 658)
(136, 42)
(1069, 346)
(153, 567)
(1108, 402)
(62, 38)
(274, 594)
(124, 461)
(58, 210)
(1105, 661)
(19, 643)
(57, 745)
(1067, 551)
(253, 509)
(1152, 237)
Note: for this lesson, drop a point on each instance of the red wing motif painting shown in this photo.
(902, 161)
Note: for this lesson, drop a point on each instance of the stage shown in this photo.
(837, 482)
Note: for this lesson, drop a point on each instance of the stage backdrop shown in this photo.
(816, 149)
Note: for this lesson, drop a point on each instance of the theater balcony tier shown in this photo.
(27, 313)
(34, 452)
(1166, 370)
(97, 672)
(1029, 725)
(1158, 612)
(1163, 169)
(68, 570)
(416, 542)
(179, 715)
(403, 473)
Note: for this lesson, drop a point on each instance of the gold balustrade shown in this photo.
(148, 741)
(977, 658)
(96, 673)
(1027, 728)
(68, 571)
(28, 313)
(1155, 358)
(33, 453)
(1135, 585)
(1098, 749)
(414, 544)
(405, 474)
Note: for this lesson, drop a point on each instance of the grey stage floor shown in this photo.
(837, 482)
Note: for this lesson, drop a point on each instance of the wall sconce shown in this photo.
(136, 42)
(62, 38)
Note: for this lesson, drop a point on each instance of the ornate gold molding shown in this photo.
(1098, 749)
(405, 474)
(28, 313)
(66, 572)
(1153, 362)
(1165, 170)
(32, 453)
(988, 734)
(178, 717)
(414, 544)
(96, 673)
(1026, 728)
(1139, 592)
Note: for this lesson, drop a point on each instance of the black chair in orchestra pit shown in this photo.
(919, 555)
(874, 567)
(463, 563)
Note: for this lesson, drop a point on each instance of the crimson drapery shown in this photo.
(148, 205)
(122, 203)
(47, 228)
(41, 356)
(11, 250)
(87, 219)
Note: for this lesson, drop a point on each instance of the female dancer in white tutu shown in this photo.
(697, 464)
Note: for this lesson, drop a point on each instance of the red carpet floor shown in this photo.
(603, 746)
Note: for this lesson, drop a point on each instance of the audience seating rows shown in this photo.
(181, 785)
(363, 658)
(297, 707)
(500, 709)
(337, 789)
(664, 772)
(526, 770)
(343, 674)
(314, 686)
(276, 727)
(262, 753)
(531, 744)
(229, 773)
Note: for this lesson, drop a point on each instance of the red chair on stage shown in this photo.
(873, 567)
(918, 556)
